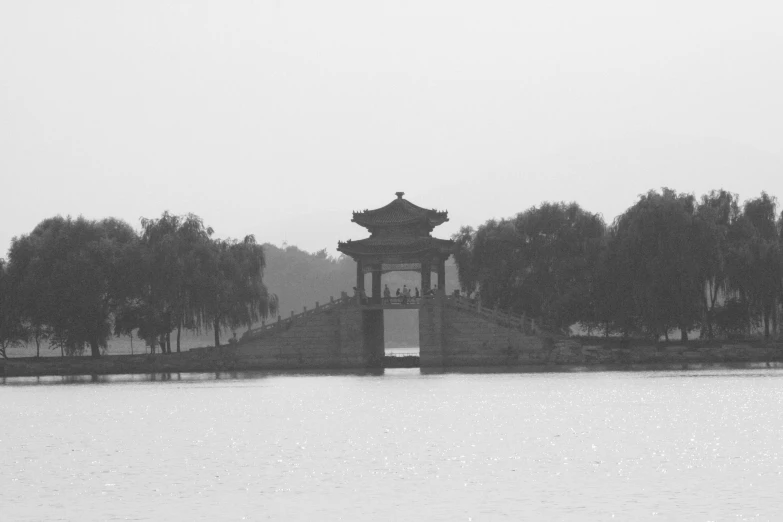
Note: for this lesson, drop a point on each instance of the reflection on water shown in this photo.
(402, 352)
(401, 445)
(180, 377)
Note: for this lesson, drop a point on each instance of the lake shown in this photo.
(704, 445)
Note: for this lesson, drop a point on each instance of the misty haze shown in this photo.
(298, 260)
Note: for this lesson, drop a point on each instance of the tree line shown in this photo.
(77, 282)
(669, 262)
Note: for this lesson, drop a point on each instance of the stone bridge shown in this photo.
(345, 333)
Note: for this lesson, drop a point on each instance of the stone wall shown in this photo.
(576, 352)
(454, 336)
(332, 338)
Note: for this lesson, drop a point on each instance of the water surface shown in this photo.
(399, 446)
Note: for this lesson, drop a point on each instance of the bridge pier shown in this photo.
(372, 329)
(431, 331)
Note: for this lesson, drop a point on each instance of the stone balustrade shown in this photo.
(519, 322)
(283, 324)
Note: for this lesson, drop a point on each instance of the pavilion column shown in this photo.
(376, 286)
(442, 276)
(359, 276)
(425, 276)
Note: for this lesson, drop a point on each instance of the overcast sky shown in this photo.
(278, 118)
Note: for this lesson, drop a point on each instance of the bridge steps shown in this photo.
(339, 334)
(455, 332)
(282, 325)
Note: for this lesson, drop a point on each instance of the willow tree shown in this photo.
(494, 264)
(12, 330)
(233, 293)
(657, 241)
(174, 250)
(716, 214)
(539, 262)
(756, 266)
(463, 256)
(73, 277)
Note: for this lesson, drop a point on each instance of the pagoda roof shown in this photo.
(404, 245)
(400, 212)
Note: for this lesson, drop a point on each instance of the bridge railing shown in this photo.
(283, 324)
(393, 301)
(519, 322)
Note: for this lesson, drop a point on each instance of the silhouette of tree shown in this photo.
(463, 256)
(756, 263)
(716, 214)
(174, 249)
(73, 275)
(232, 292)
(657, 241)
(12, 331)
(540, 263)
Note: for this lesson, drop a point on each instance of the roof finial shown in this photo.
(400, 194)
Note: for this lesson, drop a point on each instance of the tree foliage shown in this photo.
(77, 281)
(657, 241)
(12, 330)
(716, 214)
(174, 251)
(72, 276)
(669, 261)
(233, 294)
(539, 263)
(756, 259)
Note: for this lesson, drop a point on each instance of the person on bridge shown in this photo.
(405, 294)
(417, 292)
(386, 294)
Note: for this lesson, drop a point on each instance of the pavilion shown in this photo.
(400, 240)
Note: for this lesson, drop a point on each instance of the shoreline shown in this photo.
(226, 362)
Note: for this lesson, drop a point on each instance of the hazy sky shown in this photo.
(279, 118)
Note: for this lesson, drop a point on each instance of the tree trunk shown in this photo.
(62, 351)
(217, 333)
(666, 335)
(683, 334)
(168, 342)
(37, 346)
(179, 333)
(766, 323)
(95, 348)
